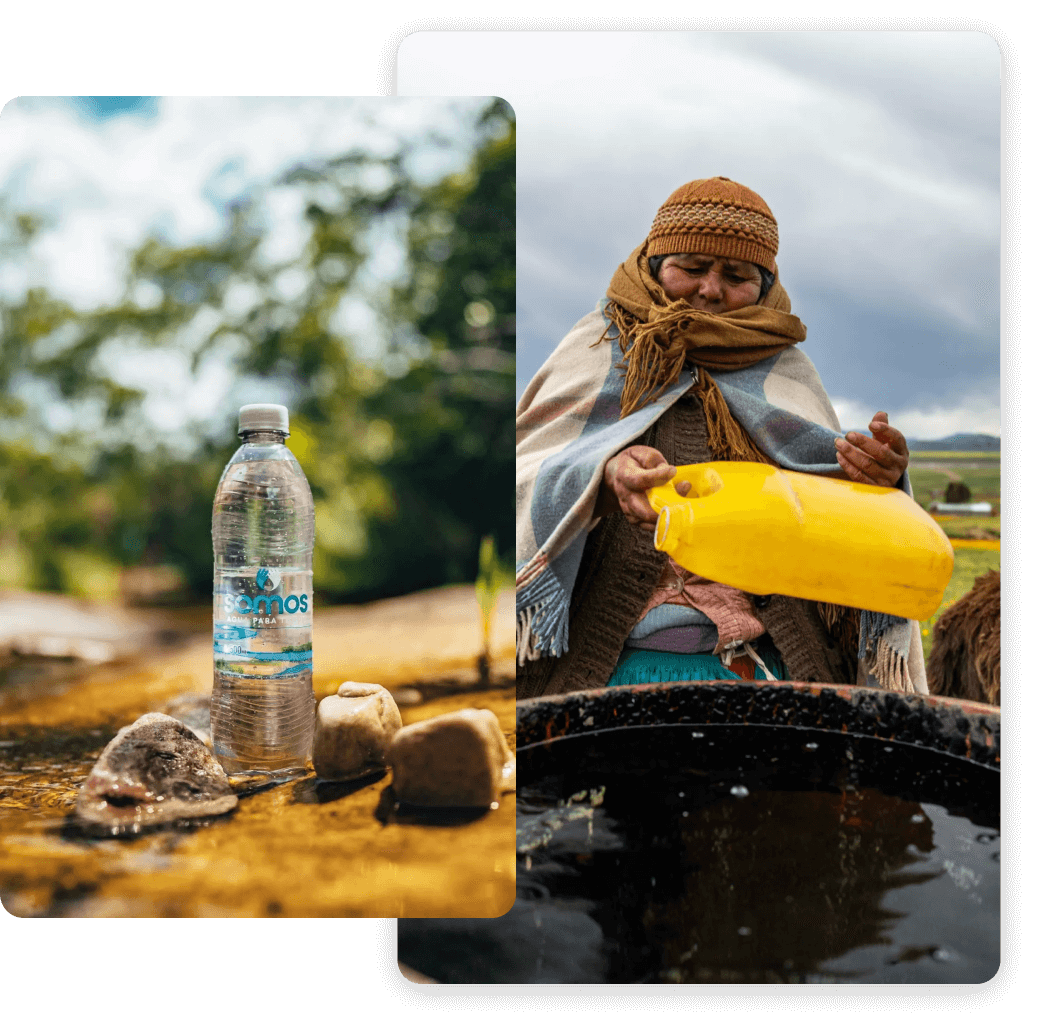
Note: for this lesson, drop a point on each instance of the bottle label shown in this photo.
(262, 622)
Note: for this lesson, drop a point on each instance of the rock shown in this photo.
(48, 625)
(154, 771)
(460, 759)
(353, 731)
(192, 711)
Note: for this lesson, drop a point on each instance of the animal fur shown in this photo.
(965, 660)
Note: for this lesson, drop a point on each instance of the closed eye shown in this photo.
(732, 276)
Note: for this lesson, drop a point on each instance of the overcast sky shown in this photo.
(878, 152)
(106, 171)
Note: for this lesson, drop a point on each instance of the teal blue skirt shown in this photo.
(640, 667)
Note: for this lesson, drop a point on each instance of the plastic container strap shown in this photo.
(740, 648)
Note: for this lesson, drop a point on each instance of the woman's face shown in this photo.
(713, 284)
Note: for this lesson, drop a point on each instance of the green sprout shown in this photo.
(491, 578)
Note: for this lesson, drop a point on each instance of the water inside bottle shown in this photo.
(262, 724)
(263, 701)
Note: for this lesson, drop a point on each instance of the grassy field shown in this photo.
(971, 526)
(930, 479)
(957, 455)
(930, 474)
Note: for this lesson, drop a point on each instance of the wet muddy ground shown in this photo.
(296, 848)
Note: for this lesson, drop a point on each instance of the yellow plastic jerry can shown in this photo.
(765, 530)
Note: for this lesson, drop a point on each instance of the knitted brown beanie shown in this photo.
(719, 217)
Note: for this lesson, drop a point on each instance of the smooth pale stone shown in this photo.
(460, 759)
(353, 731)
(154, 771)
(507, 783)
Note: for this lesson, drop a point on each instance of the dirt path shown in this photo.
(953, 476)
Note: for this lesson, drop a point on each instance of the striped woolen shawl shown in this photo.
(568, 426)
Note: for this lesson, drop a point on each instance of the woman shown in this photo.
(692, 358)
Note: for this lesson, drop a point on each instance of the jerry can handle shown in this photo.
(705, 481)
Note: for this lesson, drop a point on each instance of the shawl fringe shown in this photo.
(889, 668)
(524, 646)
(873, 626)
(542, 617)
(727, 439)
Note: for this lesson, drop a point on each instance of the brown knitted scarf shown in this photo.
(658, 335)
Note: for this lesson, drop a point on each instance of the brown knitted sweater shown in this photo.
(619, 571)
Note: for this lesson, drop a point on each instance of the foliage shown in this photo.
(403, 426)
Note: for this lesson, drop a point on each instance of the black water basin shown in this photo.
(746, 834)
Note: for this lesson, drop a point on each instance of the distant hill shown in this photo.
(962, 441)
(971, 441)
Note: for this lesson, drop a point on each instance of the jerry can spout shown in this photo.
(674, 528)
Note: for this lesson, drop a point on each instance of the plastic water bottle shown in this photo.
(263, 536)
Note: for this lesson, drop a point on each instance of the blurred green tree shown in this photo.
(400, 383)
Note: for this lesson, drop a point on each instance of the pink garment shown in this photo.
(730, 609)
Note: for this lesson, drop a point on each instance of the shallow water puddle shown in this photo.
(294, 846)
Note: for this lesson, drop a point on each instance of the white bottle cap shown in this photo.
(260, 417)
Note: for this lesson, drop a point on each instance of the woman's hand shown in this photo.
(625, 480)
(881, 460)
